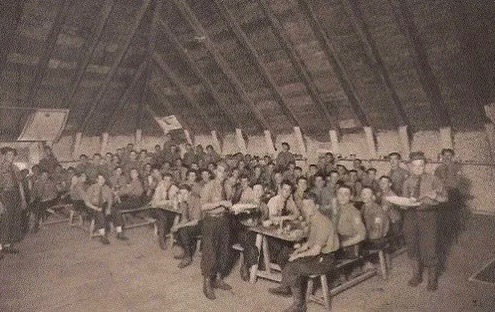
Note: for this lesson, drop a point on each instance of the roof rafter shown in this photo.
(87, 53)
(182, 89)
(126, 95)
(243, 38)
(116, 64)
(187, 12)
(336, 63)
(403, 16)
(298, 64)
(10, 17)
(49, 46)
(375, 59)
(204, 80)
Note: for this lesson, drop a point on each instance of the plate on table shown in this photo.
(403, 201)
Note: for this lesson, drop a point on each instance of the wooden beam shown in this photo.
(77, 146)
(404, 18)
(138, 137)
(184, 90)
(205, 81)
(405, 141)
(216, 142)
(125, 97)
(371, 142)
(10, 17)
(87, 53)
(334, 140)
(187, 134)
(375, 59)
(446, 137)
(336, 63)
(104, 143)
(49, 46)
(262, 68)
(300, 141)
(298, 64)
(269, 143)
(241, 143)
(116, 64)
(222, 63)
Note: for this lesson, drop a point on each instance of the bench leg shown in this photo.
(71, 218)
(383, 264)
(254, 269)
(92, 228)
(326, 292)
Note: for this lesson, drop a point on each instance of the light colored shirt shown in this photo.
(98, 195)
(277, 204)
(164, 194)
(323, 233)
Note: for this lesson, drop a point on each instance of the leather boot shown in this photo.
(161, 236)
(244, 272)
(281, 290)
(432, 278)
(207, 289)
(220, 284)
(417, 277)
(299, 304)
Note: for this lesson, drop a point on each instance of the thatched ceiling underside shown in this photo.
(249, 64)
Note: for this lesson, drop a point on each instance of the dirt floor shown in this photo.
(61, 269)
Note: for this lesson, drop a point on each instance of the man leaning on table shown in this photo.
(315, 256)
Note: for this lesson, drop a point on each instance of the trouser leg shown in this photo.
(411, 234)
(427, 226)
(187, 237)
(224, 246)
(210, 246)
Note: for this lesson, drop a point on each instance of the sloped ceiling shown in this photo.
(250, 64)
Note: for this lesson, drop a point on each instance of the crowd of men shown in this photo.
(344, 208)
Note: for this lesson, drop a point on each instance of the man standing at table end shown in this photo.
(215, 231)
(315, 256)
(420, 223)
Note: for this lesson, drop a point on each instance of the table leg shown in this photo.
(254, 268)
(266, 255)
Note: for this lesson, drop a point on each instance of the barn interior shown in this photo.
(357, 78)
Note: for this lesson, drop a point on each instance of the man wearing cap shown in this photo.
(420, 222)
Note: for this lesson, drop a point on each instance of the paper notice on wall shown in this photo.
(168, 123)
(44, 125)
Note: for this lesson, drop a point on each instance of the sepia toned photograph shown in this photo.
(247, 155)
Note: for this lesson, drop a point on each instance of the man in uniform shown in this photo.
(420, 223)
(216, 233)
(12, 201)
(315, 256)
(397, 174)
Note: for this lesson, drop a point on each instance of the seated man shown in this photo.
(392, 212)
(375, 219)
(45, 196)
(99, 198)
(165, 195)
(281, 208)
(130, 196)
(349, 223)
(315, 256)
(189, 227)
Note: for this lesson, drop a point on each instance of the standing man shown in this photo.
(12, 201)
(285, 157)
(216, 233)
(397, 174)
(420, 223)
(315, 256)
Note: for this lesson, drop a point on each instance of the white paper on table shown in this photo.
(241, 207)
(403, 201)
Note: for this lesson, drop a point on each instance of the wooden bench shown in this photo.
(327, 293)
(55, 211)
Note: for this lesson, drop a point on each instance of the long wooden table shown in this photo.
(262, 244)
